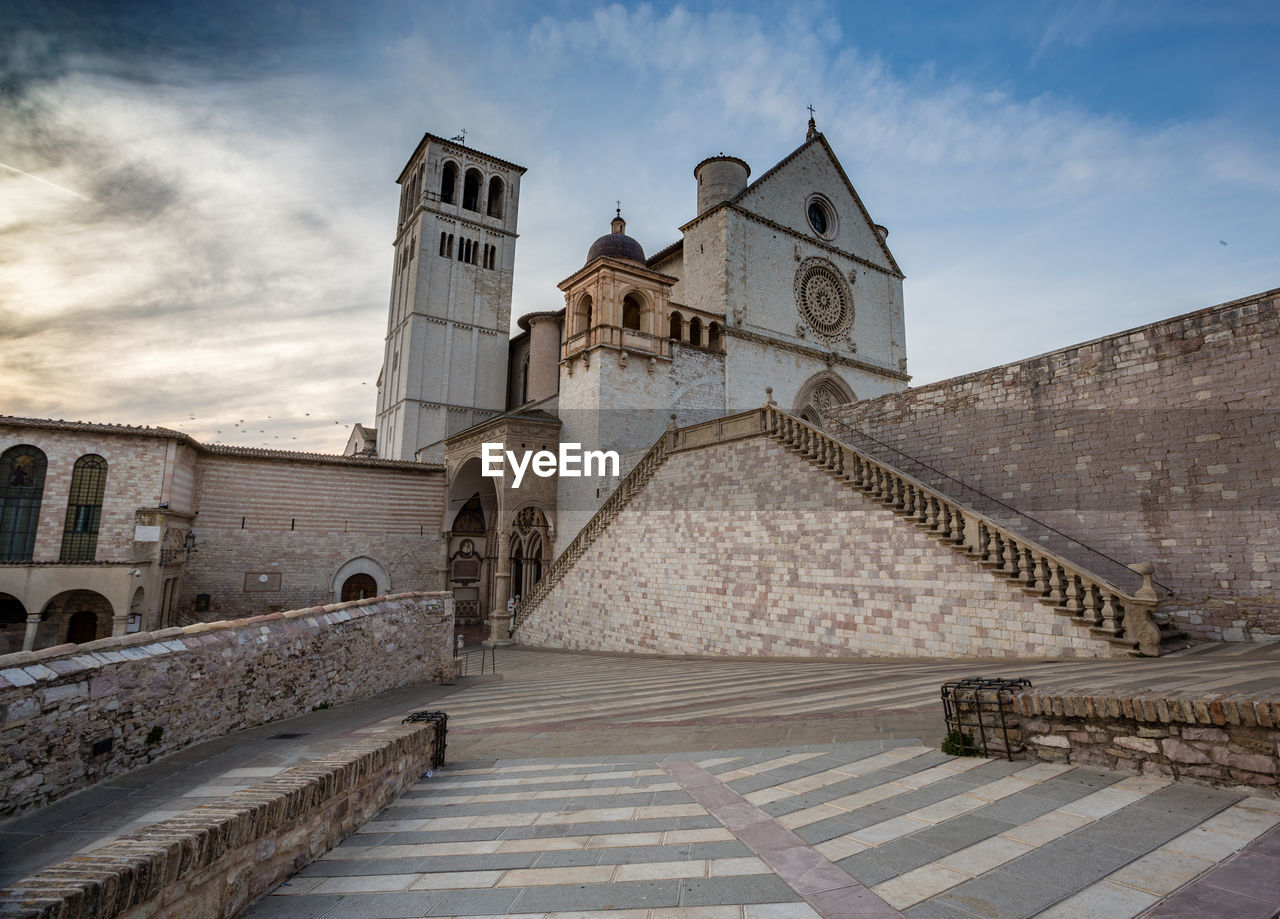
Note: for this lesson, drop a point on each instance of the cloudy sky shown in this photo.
(197, 200)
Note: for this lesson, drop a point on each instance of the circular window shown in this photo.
(822, 299)
(817, 218)
(822, 218)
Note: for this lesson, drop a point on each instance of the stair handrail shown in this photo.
(612, 506)
(843, 429)
(1093, 599)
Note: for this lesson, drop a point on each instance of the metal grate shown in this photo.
(980, 705)
(441, 721)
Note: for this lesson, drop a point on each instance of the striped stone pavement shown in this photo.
(604, 811)
(909, 830)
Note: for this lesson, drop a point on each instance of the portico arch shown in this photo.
(75, 616)
(13, 623)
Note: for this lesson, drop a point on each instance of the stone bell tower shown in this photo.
(445, 363)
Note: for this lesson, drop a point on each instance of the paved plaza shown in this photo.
(644, 788)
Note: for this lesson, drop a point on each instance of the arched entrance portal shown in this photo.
(359, 587)
(470, 546)
(820, 394)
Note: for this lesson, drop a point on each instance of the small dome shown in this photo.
(616, 244)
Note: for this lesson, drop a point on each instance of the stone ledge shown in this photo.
(170, 640)
(1231, 739)
(216, 859)
(1190, 707)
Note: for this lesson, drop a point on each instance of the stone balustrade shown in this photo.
(1091, 601)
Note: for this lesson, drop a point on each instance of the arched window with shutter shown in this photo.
(84, 509)
(22, 471)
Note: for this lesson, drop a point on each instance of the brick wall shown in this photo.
(135, 478)
(1157, 444)
(742, 548)
(298, 521)
(150, 694)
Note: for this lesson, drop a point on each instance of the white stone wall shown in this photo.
(783, 198)
(743, 548)
(695, 384)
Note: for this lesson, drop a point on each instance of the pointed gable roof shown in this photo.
(817, 139)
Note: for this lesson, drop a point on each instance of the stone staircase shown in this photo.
(1110, 601)
(1118, 606)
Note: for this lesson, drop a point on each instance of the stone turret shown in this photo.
(720, 178)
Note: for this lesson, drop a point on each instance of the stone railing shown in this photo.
(216, 859)
(613, 505)
(1113, 612)
(1090, 600)
(74, 715)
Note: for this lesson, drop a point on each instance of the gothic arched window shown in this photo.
(471, 190)
(713, 336)
(84, 509)
(495, 197)
(448, 181)
(22, 471)
(695, 332)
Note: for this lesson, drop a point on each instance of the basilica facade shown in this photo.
(783, 282)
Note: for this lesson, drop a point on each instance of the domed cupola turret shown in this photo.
(616, 244)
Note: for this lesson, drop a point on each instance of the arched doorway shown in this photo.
(820, 394)
(13, 623)
(74, 616)
(473, 504)
(359, 578)
(82, 627)
(359, 587)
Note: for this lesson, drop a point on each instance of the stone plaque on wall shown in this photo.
(260, 581)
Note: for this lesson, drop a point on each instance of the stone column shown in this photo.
(119, 623)
(29, 640)
(499, 617)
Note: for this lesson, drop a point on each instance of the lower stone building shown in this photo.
(109, 529)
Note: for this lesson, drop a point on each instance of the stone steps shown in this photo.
(1171, 637)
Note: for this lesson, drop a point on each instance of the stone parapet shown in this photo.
(1229, 739)
(74, 715)
(214, 860)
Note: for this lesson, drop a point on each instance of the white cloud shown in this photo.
(233, 262)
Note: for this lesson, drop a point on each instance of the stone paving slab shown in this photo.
(1011, 840)
(582, 742)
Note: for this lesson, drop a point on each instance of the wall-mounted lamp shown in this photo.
(190, 542)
